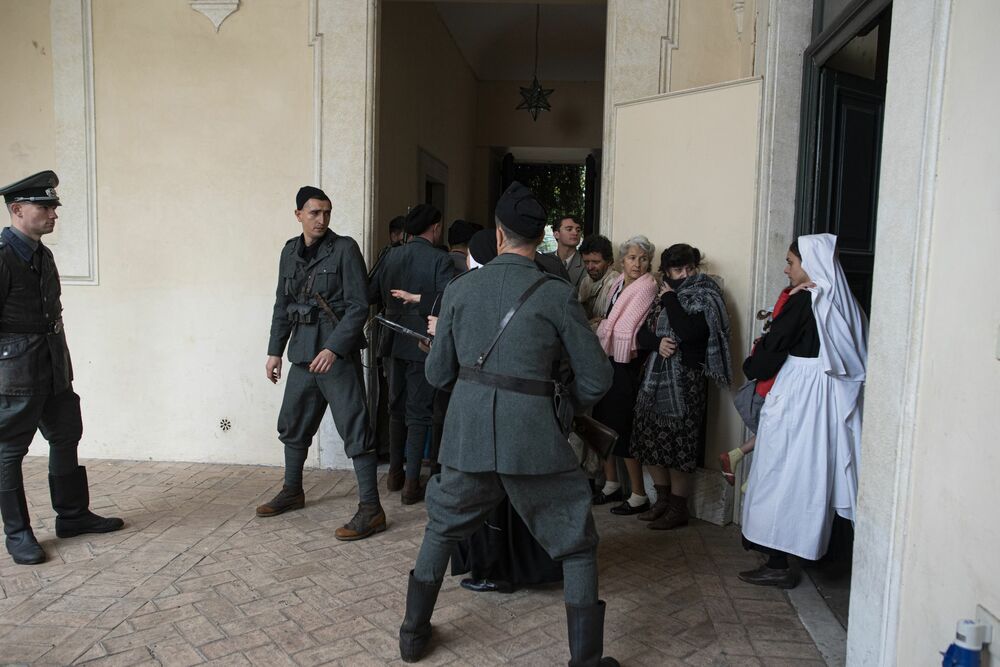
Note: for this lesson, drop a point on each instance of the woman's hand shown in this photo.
(432, 323)
(668, 347)
(404, 296)
(803, 286)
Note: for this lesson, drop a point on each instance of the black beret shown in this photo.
(38, 188)
(420, 218)
(306, 193)
(461, 231)
(396, 224)
(483, 245)
(521, 212)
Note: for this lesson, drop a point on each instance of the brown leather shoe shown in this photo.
(368, 520)
(659, 508)
(675, 516)
(286, 500)
(394, 479)
(413, 493)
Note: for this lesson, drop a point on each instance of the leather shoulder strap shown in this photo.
(507, 318)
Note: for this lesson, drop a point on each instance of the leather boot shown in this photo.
(415, 632)
(368, 520)
(413, 493)
(286, 500)
(660, 506)
(586, 636)
(397, 444)
(675, 516)
(21, 543)
(71, 500)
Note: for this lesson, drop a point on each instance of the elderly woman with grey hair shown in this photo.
(631, 298)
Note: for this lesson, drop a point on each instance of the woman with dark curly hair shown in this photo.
(688, 328)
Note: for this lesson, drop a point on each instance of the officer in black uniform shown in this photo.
(36, 377)
(409, 281)
(320, 309)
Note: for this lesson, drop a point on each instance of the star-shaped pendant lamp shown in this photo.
(535, 98)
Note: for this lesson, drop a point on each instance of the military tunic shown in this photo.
(335, 270)
(499, 442)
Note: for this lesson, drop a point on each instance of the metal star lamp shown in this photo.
(535, 98)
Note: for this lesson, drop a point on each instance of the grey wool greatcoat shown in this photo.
(496, 430)
(340, 277)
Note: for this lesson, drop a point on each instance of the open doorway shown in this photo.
(843, 105)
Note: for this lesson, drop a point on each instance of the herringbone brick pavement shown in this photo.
(196, 578)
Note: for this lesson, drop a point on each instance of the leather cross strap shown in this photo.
(507, 318)
(545, 388)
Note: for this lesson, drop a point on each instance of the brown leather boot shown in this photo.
(675, 516)
(287, 499)
(412, 491)
(368, 520)
(660, 506)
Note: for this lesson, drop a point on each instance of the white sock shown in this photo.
(635, 500)
(610, 487)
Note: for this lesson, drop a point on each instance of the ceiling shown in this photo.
(497, 39)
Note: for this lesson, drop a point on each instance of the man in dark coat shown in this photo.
(36, 377)
(458, 243)
(409, 281)
(501, 432)
(320, 310)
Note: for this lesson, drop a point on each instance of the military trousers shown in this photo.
(58, 418)
(411, 396)
(307, 396)
(556, 508)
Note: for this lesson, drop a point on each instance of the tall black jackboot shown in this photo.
(71, 501)
(415, 633)
(397, 445)
(21, 543)
(586, 636)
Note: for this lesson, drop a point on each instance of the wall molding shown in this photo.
(669, 44)
(75, 243)
(215, 11)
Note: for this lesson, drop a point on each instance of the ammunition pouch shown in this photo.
(302, 313)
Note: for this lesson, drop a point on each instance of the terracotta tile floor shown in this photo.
(196, 578)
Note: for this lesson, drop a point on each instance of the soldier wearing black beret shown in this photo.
(320, 310)
(502, 333)
(36, 377)
(409, 281)
(459, 235)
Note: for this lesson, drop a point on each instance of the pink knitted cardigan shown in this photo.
(617, 331)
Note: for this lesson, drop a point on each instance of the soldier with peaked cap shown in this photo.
(502, 435)
(409, 282)
(36, 377)
(320, 311)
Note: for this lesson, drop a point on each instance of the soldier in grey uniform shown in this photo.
(502, 435)
(36, 377)
(320, 311)
(409, 281)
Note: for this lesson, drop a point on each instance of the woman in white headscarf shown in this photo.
(805, 465)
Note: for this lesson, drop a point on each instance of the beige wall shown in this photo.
(574, 122)
(427, 99)
(952, 538)
(202, 140)
(715, 43)
(27, 120)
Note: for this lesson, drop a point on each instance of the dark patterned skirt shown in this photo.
(672, 442)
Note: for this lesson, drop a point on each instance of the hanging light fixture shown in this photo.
(535, 98)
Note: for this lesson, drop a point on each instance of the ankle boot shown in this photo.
(71, 500)
(660, 506)
(397, 444)
(287, 499)
(586, 636)
(21, 543)
(675, 516)
(415, 632)
(413, 493)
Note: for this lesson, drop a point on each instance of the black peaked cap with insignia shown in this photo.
(521, 212)
(38, 188)
(420, 218)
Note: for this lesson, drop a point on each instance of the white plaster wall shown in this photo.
(952, 540)
(202, 140)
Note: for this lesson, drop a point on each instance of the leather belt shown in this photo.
(545, 388)
(54, 327)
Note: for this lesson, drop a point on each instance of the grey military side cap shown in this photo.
(38, 188)
(521, 212)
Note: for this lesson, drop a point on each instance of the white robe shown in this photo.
(805, 462)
